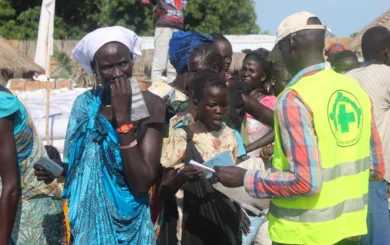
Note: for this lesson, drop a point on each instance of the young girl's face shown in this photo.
(213, 107)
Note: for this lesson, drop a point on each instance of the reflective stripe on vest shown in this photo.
(319, 215)
(346, 169)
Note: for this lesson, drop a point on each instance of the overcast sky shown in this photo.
(344, 17)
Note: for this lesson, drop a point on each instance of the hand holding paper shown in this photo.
(222, 159)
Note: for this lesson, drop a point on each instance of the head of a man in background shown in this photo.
(376, 45)
(344, 61)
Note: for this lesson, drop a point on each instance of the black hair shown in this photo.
(374, 41)
(219, 38)
(208, 55)
(336, 58)
(52, 152)
(205, 79)
(260, 55)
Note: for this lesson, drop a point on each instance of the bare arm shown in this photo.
(173, 180)
(263, 141)
(141, 162)
(170, 183)
(10, 179)
(260, 112)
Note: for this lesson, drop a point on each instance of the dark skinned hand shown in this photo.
(46, 176)
(43, 175)
(230, 176)
(121, 100)
(189, 172)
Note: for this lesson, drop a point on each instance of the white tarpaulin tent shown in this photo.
(61, 102)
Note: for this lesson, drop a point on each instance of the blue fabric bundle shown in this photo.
(181, 45)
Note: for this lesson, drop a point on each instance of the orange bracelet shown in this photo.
(125, 128)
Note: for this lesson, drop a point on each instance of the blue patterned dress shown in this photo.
(39, 218)
(102, 207)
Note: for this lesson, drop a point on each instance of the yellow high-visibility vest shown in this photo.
(342, 120)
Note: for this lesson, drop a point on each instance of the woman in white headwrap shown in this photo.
(112, 150)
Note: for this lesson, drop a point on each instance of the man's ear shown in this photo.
(293, 42)
(387, 56)
(387, 52)
(195, 103)
(215, 67)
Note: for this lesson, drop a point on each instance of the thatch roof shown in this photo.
(383, 20)
(14, 61)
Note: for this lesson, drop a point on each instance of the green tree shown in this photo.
(354, 34)
(19, 19)
(26, 25)
(222, 16)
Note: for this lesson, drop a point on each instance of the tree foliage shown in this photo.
(19, 19)
(354, 34)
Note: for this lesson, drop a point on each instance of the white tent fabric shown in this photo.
(61, 102)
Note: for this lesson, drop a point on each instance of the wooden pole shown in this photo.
(47, 111)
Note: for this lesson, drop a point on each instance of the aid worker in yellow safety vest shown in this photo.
(326, 146)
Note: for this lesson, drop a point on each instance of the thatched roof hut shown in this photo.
(383, 20)
(14, 61)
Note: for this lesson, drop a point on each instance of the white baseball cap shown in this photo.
(292, 24)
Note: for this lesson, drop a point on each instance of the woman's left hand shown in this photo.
(121, 100)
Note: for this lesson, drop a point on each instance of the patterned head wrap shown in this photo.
(181, 45)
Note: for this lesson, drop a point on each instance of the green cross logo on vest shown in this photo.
(345, 118)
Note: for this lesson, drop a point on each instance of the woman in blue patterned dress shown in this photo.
(112, 160)
(30, 211)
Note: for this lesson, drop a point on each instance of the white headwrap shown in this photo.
(85, 50)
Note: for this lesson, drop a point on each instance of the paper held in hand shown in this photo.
(201, 167)
(239, 195)
(223, 159)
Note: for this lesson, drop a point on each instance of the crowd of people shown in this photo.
(318, 129)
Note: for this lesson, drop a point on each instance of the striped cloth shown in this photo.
(375, 79)
(301, 148)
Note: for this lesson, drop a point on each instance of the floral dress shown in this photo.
(39, 218)
(256, 129)
(207, 144)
